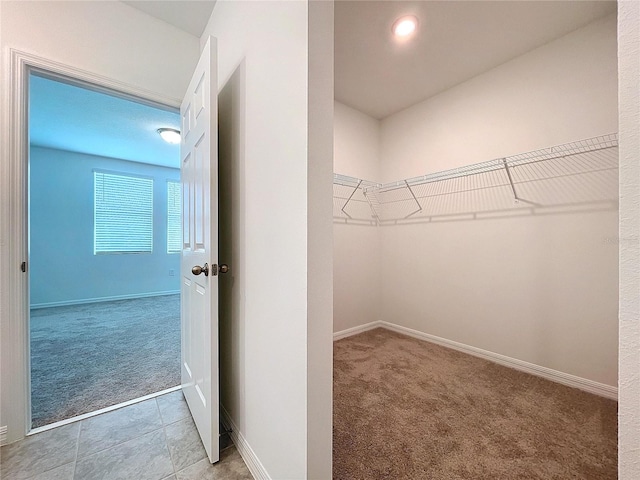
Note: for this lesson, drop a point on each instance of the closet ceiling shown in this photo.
(456, 40)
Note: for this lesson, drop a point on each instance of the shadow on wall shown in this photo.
(578, 176)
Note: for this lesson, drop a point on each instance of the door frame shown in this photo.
(15, 383)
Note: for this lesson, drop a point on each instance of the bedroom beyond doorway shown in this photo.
(104, 249)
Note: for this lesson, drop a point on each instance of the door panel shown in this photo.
(199, 315)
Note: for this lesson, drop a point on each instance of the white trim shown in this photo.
(356, 330)
(567, 379)
(244, 449)
(84, 416)
(13, 217)
(103, 299)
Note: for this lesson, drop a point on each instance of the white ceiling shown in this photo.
(68, 117)
(456, 41)
(190, 16)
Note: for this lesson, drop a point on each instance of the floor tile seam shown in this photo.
(189, 466)
(175, 421)
(166, 442)
(75, 459)
(78, 457)
(50, 470)
(197, 442)
(83, 457)
(231, 445)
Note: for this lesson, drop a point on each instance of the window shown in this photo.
(123, 213)
(174, 214)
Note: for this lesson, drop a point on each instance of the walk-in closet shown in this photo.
(475, 207)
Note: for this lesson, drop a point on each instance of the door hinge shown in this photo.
(23, 267)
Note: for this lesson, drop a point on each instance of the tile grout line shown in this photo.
(75, 460)
(128, 440)
(124, 441)
(82, 426)
(166, 442)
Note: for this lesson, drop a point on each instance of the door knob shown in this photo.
(224, 268)
(197, 270)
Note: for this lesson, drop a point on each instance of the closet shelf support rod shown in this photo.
(349, 199)
(513, 188)
(373, 209)
(415, 199)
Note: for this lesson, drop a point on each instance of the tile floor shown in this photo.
(151, 440)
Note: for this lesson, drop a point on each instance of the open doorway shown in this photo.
(104, 249)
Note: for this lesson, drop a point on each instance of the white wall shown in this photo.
(61, 222)
(562, 91)
(275, 363)
(541, 288)
(105, 38)
(356, 143)
(629, 72)
(356, 264)
(109, 39)
(320, 242)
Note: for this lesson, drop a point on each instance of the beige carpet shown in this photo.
(408, 409)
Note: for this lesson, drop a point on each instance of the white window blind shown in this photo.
(123, 211)
(174, 214)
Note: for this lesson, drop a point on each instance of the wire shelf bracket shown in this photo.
(570, 175)
(349, 199)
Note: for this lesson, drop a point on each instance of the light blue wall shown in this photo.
(63, 268)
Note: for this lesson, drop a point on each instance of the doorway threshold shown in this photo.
(84, 416)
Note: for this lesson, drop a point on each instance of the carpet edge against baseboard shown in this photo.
(591, 386)
(133, 296)
(244, 449)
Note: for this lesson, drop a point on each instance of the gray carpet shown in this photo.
(91, 356)
(408, 409)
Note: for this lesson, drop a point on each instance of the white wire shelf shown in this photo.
(350, 204)
(572, 174)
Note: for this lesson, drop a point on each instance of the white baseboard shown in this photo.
(244, 449)
(567, 379)
(102, 299)
(356, 330)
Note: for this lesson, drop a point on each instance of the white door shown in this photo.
(199, 269)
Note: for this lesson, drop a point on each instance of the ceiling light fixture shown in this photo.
(405, 26)
(170, 135)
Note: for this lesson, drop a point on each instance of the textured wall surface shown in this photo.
(629, 384)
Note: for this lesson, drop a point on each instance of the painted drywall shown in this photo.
(560, 92)
(539, 288)
(320, 242)
(63, 267)
(263, 73)
(629, 99)
(356, 267)
(106, 39)
(356, 143)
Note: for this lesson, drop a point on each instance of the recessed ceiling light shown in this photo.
(405, 26)
(170, 135)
